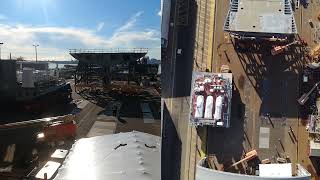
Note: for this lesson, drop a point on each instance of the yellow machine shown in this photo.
(315, 52)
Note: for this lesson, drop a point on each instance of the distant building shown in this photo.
(7, 78)
(32, 64)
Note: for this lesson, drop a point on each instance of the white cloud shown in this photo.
(3, 17)
(129, 24)
(100, 26)
(55, 41)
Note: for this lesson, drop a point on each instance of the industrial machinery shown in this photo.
(58, 131)
(211, 99)
(279, 49)
(303, 99)
(51, 129)
(315, 52)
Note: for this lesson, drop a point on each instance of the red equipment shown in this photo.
(60, 131)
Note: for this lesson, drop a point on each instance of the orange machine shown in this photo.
(279, 49)
(315, 52)
(250, 155)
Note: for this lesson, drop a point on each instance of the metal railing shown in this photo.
(111, 50)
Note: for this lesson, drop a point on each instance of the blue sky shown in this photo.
(59, 25)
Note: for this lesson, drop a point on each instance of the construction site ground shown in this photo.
(263, 85)
(98, 111)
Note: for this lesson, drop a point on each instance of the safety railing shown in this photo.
(111, 50)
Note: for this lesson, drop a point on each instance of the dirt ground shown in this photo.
(264, 84)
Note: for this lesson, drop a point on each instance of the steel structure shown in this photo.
(95, 65)
(268, 19)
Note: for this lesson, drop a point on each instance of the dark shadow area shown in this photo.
(25, 140)
(316, 164)
(275, 78)
(99, 97)
(130, 107)
(170, 149)
(313, 76)
(179, 68)
(14, 115)
(227, 143)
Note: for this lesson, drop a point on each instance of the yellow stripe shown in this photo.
(204, 131)
(211, 29)
(202, 135)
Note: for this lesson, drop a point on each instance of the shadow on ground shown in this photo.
(170, 149)
(227, 144)
(275, 78)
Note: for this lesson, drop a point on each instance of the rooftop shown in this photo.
(122, 156)
(108, 57)
(266, 16)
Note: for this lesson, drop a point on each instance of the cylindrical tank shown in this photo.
(209, 108)
(27, 78)
(218, 108)
(199, 107)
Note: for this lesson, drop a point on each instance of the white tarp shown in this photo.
(275, 170)
(123, 156)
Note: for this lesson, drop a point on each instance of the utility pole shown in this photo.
(1, 43)
(35, 47)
